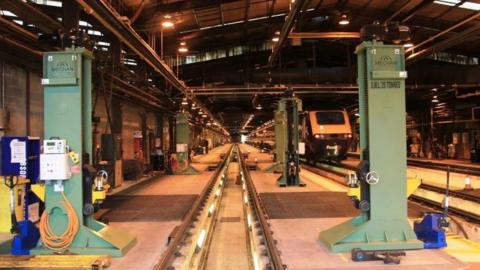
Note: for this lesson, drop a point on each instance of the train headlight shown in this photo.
(349, 135)
(319, 136)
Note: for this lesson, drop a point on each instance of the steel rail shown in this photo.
(430, 203)
(454, 193)
(272, 250)
(436, 205)
(454, 168)
(169, 254)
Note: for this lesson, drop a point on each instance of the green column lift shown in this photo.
(183, 141)
(288, 132)
(68, 115)
(382, 224)
(277, 166)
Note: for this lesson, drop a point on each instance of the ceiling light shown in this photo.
(167, 22)
(408, 45)
(344, 20)
(182, 49)
(275, 39)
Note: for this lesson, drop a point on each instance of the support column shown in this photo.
(68, 116)
(182, 158)
(382, 224)
(290, 108)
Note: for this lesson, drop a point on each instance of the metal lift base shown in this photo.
(370, 235)
(275, 167)
(188, 171)
(282, 182)
(103, 240)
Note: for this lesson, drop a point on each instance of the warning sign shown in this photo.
(18, 152)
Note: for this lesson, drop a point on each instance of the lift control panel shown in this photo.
(55, 161)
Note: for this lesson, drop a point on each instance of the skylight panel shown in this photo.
(467, 5)
(447, 2)
(470, 5)
(51, 3)
(7, 13)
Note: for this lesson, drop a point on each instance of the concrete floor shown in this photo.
(267, 182)
(301, 249)
(152, 236)
(298, 238)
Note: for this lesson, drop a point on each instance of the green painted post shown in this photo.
(183, 141)
(277, 166)
(384, 226)
(68, 115)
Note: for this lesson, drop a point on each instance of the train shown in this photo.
(327, 135)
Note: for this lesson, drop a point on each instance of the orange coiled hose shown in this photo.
(59, 243)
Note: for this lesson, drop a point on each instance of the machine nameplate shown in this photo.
(377, 84)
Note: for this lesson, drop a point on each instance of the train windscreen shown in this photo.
(330, 118)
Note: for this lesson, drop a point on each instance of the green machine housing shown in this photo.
(287, 141)
(382, 224)
(68, 115)
(182, 142)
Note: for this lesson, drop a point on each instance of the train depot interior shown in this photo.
(239, 134)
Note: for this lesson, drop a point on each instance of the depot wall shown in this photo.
(22, 95)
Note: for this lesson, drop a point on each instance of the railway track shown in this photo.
(341, 173)
(454, 168)
(195, 243)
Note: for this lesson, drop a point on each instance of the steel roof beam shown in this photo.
(445, 44)
(415, 10)
(325, 35)
(286, 28)
(31, 14)
(446, 31)
(111, 20)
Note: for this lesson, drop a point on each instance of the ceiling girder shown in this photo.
(286, 28)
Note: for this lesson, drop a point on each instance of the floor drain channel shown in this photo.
(230, 219)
